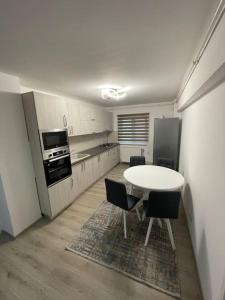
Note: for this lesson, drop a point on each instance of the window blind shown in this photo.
(133, 128)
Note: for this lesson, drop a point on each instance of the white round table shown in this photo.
(154, 178)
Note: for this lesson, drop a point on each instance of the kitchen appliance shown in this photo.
(57, 169)
(56, 155)
(167, 141)
(54, 143)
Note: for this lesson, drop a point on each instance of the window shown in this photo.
(133, 128)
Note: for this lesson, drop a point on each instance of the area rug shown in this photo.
(154, 265)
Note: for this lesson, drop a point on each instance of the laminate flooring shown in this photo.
(35, 266)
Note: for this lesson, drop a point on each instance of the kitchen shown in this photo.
(63, 173)
(112, 150)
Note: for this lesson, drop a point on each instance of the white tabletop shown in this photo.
(154, 178)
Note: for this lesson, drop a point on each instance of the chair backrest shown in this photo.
(116, 193)
(137, 160)
(165, 162)
(163, 205)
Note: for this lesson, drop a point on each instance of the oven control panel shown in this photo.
(55, 152)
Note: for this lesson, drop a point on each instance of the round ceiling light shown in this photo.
(113, 93)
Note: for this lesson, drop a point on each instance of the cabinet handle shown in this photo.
(71, 181)
(64, 121)
(72, 129)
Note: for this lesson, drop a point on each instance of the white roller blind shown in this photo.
(133, 128)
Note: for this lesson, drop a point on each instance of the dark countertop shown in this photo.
(93, 152)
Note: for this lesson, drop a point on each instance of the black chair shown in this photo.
(162, 205)
(165, 162)
(137, 161)
(116, 194)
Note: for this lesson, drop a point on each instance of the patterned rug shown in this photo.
(154, 265)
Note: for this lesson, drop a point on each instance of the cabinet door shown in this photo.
(105, 161)
(86, 119)
(76, 184)
(98, 123)
(88, 173)
(51, 111)
(96, 167)
(74, 126)
(112, 158)
(78, 179)
(59, 196)
(108, 121)
(82, 176)
(86, 112)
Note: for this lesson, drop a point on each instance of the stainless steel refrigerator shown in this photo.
(167, 141)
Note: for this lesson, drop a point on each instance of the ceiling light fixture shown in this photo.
(113, 93)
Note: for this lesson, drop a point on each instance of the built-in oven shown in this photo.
(57, 169)
(56, 155)
(53, 142)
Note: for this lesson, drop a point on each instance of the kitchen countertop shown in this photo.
(93, 152)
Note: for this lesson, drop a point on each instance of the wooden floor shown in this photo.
(36, 266)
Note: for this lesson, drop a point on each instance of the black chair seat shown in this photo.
(116, 194)
(165, 162)
(131, 201)
(137, 161)
(163, 205)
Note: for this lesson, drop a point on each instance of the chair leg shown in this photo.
(170, 233)
(124, 224)
(149, 231)
(109, 217)
(138, 214)
(159, 222)
(131, 189)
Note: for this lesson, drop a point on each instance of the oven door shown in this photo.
(57, 169)
(53, 139)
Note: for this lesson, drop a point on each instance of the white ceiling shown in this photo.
(74, 46)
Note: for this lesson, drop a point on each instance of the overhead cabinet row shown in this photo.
(79, 118)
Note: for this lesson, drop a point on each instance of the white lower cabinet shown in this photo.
(97, 169)
(60, 196)
(87, 172)
(84, 174)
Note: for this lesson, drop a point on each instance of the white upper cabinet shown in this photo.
(108, 121)
(74, 126)
(52, 112)
(79, 118)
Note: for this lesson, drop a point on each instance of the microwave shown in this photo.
(54, 142)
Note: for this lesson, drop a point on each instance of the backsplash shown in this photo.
(83, 142)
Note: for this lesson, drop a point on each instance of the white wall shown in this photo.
(156, 110)
(202, 160)
(84, 142)
(19, 206)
